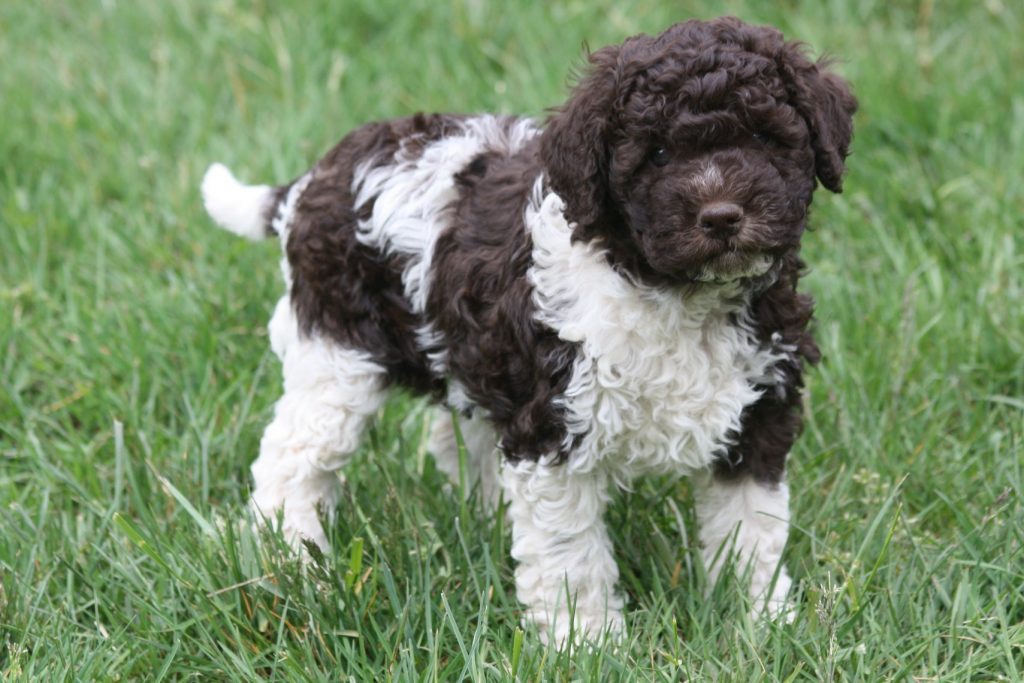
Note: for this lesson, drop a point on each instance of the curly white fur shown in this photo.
(659, 386)
(233, 205)
(750, 521)
(662, 378)
(329, 394)
(413, 195)
(564, 555)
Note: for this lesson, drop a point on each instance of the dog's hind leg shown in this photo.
(482, 456)
(330, 393)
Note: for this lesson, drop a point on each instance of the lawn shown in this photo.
(135, 373)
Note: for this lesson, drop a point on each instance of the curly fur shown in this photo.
(608, 295)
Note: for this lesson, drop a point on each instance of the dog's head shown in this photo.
(694, 154)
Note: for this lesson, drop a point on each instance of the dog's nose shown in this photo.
(721, 219)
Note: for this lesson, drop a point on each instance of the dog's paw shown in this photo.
(297, 524)
(304, 525)
(773, 601)
(560, 629)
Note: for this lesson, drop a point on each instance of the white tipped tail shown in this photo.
(234, 206)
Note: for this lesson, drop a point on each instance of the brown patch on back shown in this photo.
(342, 288)
(481, 302)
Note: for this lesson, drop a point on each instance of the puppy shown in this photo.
(607, 295)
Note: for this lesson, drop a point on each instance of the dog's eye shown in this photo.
(660, 156)
(761, 137)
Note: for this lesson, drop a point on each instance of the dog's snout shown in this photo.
(721, 219)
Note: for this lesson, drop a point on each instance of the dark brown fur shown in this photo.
(772, 121)
(343, 289)
(772, 424)
(720, 93)
(480, 299)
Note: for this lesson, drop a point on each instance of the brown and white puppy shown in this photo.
(607, 295)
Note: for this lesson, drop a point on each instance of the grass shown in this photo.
(135, 376)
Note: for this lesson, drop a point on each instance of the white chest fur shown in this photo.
(662, 377)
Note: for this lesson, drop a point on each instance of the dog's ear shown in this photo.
(825, 102)
(574, 145)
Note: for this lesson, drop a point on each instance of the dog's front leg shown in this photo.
(750, 519)
(564, 555)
